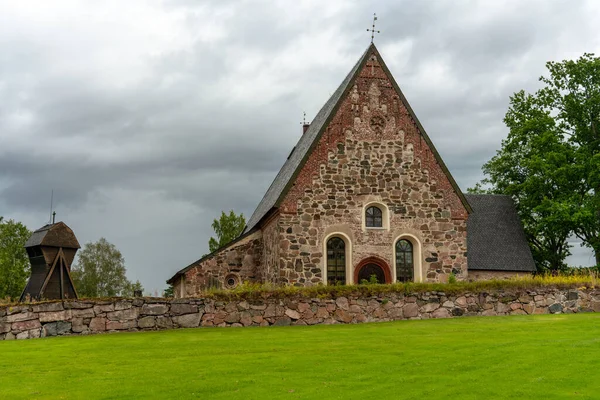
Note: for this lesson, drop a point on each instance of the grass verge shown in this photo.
(533, 357)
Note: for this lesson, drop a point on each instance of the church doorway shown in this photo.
(369, 272)
(372, 269)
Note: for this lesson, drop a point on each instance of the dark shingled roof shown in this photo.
(55, 235)
(308, 141)
(495, 237)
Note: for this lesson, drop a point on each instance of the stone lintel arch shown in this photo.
(417, 256)
(387, 271)
(348, 255)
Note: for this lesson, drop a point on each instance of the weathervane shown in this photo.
(303, 118)
(372, 30)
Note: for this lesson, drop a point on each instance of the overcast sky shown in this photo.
(148, 118)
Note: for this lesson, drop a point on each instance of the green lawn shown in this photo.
(519, 357)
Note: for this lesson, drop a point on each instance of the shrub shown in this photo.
(366, 288)
(452, 279)
(250, 291)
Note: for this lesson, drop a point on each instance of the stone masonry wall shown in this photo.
(482, 275)
(240, 261)
(81, 317)
(372, 151)
(270, 261)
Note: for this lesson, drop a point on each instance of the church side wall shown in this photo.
(481, 275)
(241, 261)
(372, 152)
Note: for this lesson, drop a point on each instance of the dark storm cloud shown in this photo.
(149, 127)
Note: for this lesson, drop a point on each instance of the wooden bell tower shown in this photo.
(51, 250)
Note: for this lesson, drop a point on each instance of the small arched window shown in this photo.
(373, 217)
(336, 261)
(404, 261)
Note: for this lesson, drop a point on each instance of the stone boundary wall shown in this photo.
(81, 317)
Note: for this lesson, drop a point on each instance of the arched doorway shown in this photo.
(370, 271)
(373, 266)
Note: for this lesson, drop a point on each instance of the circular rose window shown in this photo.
(231, 281)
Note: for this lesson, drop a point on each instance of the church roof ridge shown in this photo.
(292, 166)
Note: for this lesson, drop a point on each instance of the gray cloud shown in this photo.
(148, 127)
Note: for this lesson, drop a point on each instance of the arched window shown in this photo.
(336, 261)
(373, 218)
(404, 261)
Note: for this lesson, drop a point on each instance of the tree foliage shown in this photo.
(227, 227)
(550, 161)
(169, 291)
(100, 272)
(133, 287)
(14, 263)
(573, 92)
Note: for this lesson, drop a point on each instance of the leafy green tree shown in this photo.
(132, 287)
(532, 167)
(227, 227)
(100, 272)
(168, 292)
(550, 161)
(572, 94)
(14, 263)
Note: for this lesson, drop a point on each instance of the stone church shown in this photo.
(365, 195)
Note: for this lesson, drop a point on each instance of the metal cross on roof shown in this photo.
(305, 124)
(372, 30)
(303, 118)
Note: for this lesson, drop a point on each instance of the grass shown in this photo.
(529, 357)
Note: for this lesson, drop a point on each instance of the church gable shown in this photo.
(369, 66)
(374, 110)
(371, 151)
